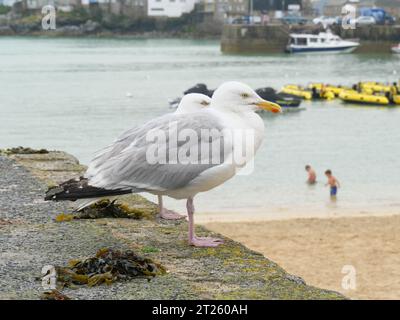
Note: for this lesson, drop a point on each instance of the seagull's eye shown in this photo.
(204, 103)
(245, 95)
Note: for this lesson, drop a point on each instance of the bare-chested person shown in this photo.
(332, 182)
(312, 176)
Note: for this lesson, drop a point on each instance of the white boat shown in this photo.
(396, 49)
(322, 42)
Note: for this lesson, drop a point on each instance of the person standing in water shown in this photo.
(333, 183)
(312, 176)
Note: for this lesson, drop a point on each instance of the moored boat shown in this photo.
(284, 100)
(324, 42)
(362, 98)
(334, 89)
(396, 49)
(297, 92)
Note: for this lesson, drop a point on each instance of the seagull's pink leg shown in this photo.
(168, 214)
(198, 241)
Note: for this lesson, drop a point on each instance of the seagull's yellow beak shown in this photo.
(269, 106)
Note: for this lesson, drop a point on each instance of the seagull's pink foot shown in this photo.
(170, 215)
(205, 242)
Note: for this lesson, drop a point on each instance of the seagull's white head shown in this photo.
(193, 102)
(239, 97)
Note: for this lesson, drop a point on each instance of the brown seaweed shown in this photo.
(54, 295)
(107, 209)
(108, 266)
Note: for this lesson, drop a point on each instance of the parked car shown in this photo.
(294, 19)
(379, 14)
(365, 21)
(360, 21)
(247, 20)
(325, 21)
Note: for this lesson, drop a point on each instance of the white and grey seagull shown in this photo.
(178, 155)
(190, 103)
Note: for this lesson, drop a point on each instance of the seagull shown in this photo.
(190, 103)
(157, 160)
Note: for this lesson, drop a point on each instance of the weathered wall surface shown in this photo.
(30, 239)
(273, 38)
(373, 39)
(253, 39)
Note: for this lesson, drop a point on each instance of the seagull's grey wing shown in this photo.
(132, 167)
(123, 141)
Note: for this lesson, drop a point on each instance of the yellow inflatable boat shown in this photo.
(296, 91)
(361, 98)
(334, 89)
(327, 95)
(374, 87)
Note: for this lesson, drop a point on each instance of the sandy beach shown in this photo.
(317, 249)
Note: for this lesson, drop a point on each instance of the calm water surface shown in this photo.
(71, 94)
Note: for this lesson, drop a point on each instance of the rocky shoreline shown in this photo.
(87, 30)
(31, 238)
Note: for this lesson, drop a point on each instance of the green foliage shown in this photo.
(110, 22)
(4, 9)
(149, 249)
(75, 17)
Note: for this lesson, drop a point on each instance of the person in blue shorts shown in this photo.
(332, 182)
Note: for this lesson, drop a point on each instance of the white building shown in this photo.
(169, 8)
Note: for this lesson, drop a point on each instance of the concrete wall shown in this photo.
(253, 39)
(373, 39)
(273, 38)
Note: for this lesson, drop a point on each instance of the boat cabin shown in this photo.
(313, 39)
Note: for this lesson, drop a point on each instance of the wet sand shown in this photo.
(317, 249)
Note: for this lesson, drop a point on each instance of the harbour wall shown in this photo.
(32, 237)
(273, 38)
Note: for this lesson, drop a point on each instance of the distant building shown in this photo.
(334, 7)
(224, 10)
(38, 4)
(130, 8)
(169, 8)
(275, 5)
(135, 8)
(391, 6)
